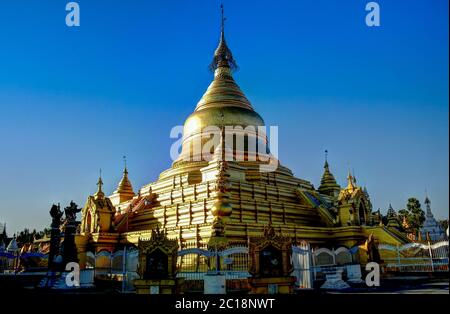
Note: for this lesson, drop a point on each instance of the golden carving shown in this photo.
(277, 245)
(158, 241)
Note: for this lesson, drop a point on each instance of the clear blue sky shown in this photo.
(73, 100)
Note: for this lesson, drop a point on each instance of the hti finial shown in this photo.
(223, 19)
(222, 55)
(100, 181)
(326, 158)
(125, 162)
(427, 200)
(99, 194)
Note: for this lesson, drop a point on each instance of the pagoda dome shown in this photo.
(222, 105)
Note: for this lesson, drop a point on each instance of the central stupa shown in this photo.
(212, 201)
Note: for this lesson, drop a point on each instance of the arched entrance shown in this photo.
(362, 215)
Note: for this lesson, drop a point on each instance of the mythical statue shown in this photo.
(56, 214)
(71, 211)
(69, 247)
(55, 236)
(372, 250)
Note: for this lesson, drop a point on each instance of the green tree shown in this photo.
(28, 236)
(3, 235)
(444, 224)
(413, 213)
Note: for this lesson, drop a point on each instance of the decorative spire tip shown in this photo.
(223, 56)
(125, 170)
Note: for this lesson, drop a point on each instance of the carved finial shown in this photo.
(99, 194)
(223, 58)
(427, 200)
(100, 181)
(350, 181)
(269, 231)
(223, 19)
(125, 163)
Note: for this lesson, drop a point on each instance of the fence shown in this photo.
(310, 265)
(302, 262)
(415, 257)
(11, 262)
(121, 265)
(195, 261)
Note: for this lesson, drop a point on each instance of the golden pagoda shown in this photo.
(218, 200)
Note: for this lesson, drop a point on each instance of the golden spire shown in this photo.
(405, 223)
(223, 103)
(328, 184)
(427, 200)
(99, 194)
(125, 184)
(223, 91)
(350, 181)
(223, 56)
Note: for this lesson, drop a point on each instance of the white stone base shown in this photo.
(354, 274)
(86, 280)
(334, 280)
(215, 284)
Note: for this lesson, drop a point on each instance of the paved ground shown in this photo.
(431, 288)
(396, 285)
(404, 287)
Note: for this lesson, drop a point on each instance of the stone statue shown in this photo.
(55, 237)
(71, 212)
(56, 214)
(372, 250)
(69, 248)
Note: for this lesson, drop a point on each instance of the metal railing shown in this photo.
(416, 257)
